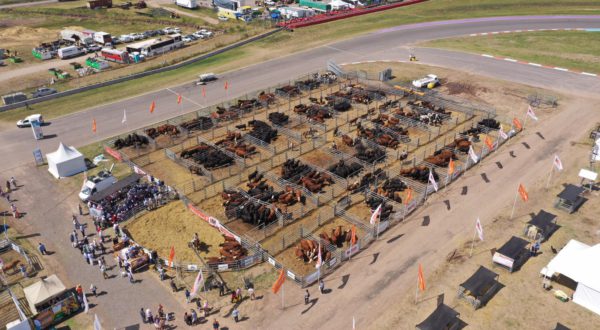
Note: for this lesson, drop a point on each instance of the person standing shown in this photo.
(143, 315)
(130, 275)
(216, 325)
(82, 230)
(13, 181)
(221, 289)
(75, 222)
(23, 270)
(194, 317)
(321, 286)
(103, 271)
(94, 290)
(80, 209)
(251, 293)
(306, 297)
(187, 295)
(42, 248)
(236, 315)
(149, 317)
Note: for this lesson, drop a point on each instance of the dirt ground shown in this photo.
(174, 225)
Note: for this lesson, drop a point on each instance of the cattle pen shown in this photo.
(297, 170)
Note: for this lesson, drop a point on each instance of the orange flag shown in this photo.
(451, 167)
(489, 143)
(179, 99)
(152, 106)
(408, 196)
(226, 85)
(523, 193)
(279, 282)
(517, 123)
(171, 256)
(94, 125)
(353, 237)
(421, 279)
(203, 91)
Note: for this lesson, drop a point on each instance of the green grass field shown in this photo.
(578, 50)
(285, 43)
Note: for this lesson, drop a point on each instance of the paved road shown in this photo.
(28, 4)
(75, 129)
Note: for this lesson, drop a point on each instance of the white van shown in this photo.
(95, 184)
(70, 52)
(27, 121)
(206, 77)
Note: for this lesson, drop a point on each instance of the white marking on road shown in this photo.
(472, 34)
(510, 60)
(506, 31)
(534, 64)
(530, 30)
(560, 69)
(486, 55)
(484, 34)
(370, 61)
(589, 74)
(355, 63)
(184, 98)
(495, 32)
(555, 29)
(519, 31)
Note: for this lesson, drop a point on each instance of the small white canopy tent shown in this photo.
(43, 290)
(65, 161)
(579, 262)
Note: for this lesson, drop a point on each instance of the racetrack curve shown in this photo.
(387, 44)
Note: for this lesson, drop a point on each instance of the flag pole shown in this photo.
(514, 204)
(417, 291)
(473, 243)
(283, 295)
(525, 120)
(550, 176)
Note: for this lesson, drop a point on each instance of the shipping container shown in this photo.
(102, 38)
(190, 4)
(69, 52)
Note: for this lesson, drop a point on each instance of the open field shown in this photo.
(578, 50)
(285, 43)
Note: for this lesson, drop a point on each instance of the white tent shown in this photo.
(579, 262)
(43, 290)
(65, 161)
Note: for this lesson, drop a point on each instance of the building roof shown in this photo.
(143, 44)
(480, 281)
(513, 247)
(128, 181)
(571, 193)
(544, 221)
(443, 317)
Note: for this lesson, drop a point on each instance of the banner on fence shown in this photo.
(311, 278)
(138, 170)
(192, 268)
(383, 226)
(352, 250)
(223, 267)
(291, 275)
(213, 222)
(113, 153)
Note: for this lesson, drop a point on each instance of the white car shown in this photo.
(198, 35)
(125, 38)
(186, 39)
(176, 30)
(27, 121)
(208, 34)
(168, 30)
(430, 80)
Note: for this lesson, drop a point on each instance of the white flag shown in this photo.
(558, 163)
(503, 135)
(353, 323)
(86, 307)
(319, 257)
(197, 283)
(97, 325)
(473, 155)
(531, 114)
(375, 215)
(432, 180)
(479, 229)
(124, 120)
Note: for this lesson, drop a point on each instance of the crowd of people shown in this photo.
(122, 204)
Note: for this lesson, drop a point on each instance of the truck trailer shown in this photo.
(102, 38)
(190, 4)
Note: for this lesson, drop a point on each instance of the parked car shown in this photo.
(160, 32)
(126, 38)
(116, 41)
(186, 39)
(192, 36)
(198, 35)
(27, 121)
(43, 91)
(176, 30)
(93, 48)
(141, 35)
(135, 36)
(206, 33)
(205, 78)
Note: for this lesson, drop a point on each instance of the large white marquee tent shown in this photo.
(579, 262)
